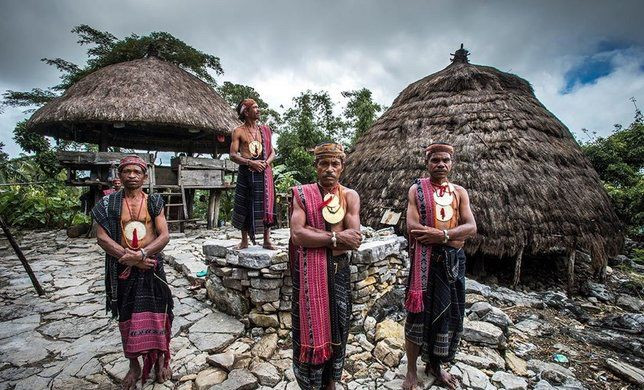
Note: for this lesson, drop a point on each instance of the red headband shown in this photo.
(438, 147)
(246, 103)
(133, 160)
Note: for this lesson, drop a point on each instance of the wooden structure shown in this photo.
(176, 183)
(147, 104)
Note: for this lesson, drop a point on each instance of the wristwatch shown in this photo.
(445, 236)
(334, 240)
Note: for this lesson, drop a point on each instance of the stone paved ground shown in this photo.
(65, 340)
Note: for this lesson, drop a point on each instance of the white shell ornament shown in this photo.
(444, 213)
(255, 148)
(444, 200)
(128, 230)
(333, 215)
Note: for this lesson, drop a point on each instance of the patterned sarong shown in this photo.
(255, 195)
(435, 303)
(438, 328)
(316, 376)
(143, 300)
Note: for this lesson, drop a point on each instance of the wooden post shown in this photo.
(517, 269)
(571, 272)
(213, 208)
(22, 258)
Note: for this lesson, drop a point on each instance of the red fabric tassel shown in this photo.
(126, 273)
(414, 302)
(135, 240)
(148, 361)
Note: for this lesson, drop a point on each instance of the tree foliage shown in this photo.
(361, 111)
(619, 161)
(235, 93)
(308, 122)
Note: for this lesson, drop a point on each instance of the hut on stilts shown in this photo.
(147, 104)
(531, 189)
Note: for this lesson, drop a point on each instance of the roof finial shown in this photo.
(461, 55)
(152, 50)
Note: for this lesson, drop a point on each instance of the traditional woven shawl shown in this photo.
(269, 188)
(315, 319)
(420, 254)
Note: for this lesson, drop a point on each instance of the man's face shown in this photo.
(116, 183)
(329, 170)
(132, 176)
(439, 165)
(252, 112)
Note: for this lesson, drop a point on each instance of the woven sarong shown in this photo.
(438, 328)
(317, 376)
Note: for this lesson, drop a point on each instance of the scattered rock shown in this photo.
(508, 381)
(266, 346)
(597, 290)
(266, 373)
(223, 360)
(626, 371)
(210, 377)
(239, 379)
(484, 333)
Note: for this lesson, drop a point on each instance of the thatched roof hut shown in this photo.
(531, 188)
(148, 104)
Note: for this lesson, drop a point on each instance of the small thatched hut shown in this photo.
(531, 188)
(147, 104)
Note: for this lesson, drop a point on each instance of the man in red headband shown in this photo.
(439, 219)
(325, 227)
(251, 148)
(132, 230)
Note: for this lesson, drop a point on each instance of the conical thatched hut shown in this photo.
(531, 188)
(148, 104)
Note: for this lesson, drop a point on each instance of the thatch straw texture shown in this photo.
(147, 104)
(529, 183)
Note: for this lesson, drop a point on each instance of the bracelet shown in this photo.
(334, 240)
(143, 254)
(445, 236)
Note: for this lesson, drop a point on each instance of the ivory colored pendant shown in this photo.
(333, 216)
(444, 213)
(128, 230)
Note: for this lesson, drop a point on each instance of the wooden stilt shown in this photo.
(571, 272)
(213, 208)
(517, 269)
(22, 258)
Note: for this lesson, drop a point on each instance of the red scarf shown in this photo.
(315, 320)
(420, 254)
(269, 188)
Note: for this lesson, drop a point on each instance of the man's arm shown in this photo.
(110, 246)
(310, 237)
(424, 234)
(467, 224)
(163, 236)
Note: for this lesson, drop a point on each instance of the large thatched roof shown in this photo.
(529, 183)
(147, 104)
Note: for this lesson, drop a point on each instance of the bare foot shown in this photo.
(162, 372)
(269, 245)
(132, 376)
(411, 380)
(443, 377)
(242, 245)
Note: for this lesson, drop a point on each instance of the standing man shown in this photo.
(439, 219)
(132, 231)
(116, 186)
(325, 226)
(251, 148)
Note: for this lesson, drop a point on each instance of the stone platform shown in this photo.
(256, 282)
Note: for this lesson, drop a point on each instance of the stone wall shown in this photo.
(255, 283)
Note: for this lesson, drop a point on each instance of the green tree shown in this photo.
(307, 123)
(235, 93)
(619, 161)
(361, 111)
(3, 156)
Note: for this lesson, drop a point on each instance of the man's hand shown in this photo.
(429, 235)
(350, 238)
(130, 257)
(146, 264)
(257, 165)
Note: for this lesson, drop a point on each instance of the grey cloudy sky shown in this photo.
(585, 59)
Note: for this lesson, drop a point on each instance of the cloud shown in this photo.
(583, 59)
